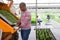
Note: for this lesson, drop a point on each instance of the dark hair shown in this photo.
(37, 16)
(22, 3)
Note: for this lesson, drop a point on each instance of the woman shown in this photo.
(24, 22)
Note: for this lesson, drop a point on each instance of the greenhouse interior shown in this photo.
(45, 19)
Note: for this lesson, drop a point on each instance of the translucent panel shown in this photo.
(28, 5)
(49, 10)
(1, 0)
(5, 1)
(26, 1)
(48, 1)
(48, 5)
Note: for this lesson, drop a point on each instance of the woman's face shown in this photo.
(23, 7)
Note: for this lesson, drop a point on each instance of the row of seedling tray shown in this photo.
(44, 34)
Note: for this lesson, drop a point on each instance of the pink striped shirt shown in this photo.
(25, 20)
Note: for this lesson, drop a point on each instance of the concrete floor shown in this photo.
(0, 34)
(56, 33)
(51, 24)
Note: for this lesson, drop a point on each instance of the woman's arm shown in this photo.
(19, 22)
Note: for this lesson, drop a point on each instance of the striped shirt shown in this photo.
(25, 20)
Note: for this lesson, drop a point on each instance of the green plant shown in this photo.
(44, 34)
(8, 16)
(57, 20)
(33, 18)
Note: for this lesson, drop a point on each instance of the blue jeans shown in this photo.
(25, 34)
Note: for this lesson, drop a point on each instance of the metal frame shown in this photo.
(39, 3)
(0, 34)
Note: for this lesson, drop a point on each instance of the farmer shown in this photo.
(39, 20)
(48, 17)
(24, 22)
